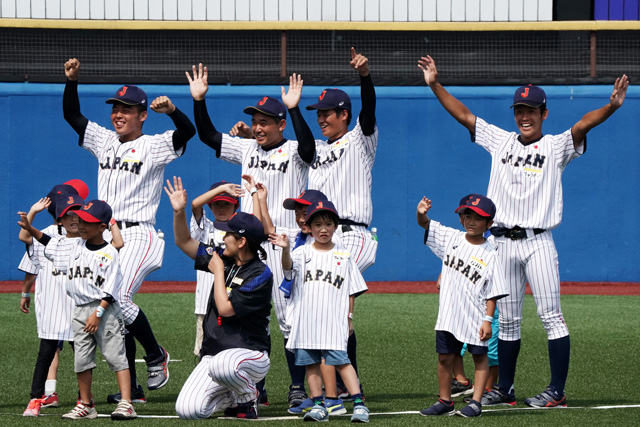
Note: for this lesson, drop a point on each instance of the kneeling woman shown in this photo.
(236, 327)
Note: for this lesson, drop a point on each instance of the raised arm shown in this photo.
(198, 203)
(184, 128)
(291, 99)
(595, 117)
(116, 237)
(367, 116)
(178, 198)
(283, 241)
(199, 85)
(250, 185)
(42, 204)
(457, 109)
(70, 100)
(267, 223)
(421, 214)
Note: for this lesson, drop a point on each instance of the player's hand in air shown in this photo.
(291, 98)
(163, 105)
(198, 85)
(428, 67)
(242, 130)
(41, 205)
(250, 182)
(359, 62)
(280, 240)
(619, 91)
(424, 205)
(177, 194)
(216, 265)
(262, 191)
(24, 221)
(71, 68)
(485, 331)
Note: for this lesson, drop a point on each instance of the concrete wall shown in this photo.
(422, 151)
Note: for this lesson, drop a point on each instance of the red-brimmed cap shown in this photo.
(307, 197)
(478, 203)
(319, 206)
(95, 211)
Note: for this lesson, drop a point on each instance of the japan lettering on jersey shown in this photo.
(471, 274)
(280, 169)
(342, 171)
(91, 275)
(130, 174)
(526, 180)
(323, 283)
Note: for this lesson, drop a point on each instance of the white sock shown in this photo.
(49, 387)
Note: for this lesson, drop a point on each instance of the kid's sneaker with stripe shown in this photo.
(497, 397)
(317, 413)
(124, 411)
(81, 412)
(33, 409)
(335, 407)
(51, 401)
(547, 399)
(302, 408)
(439, 408)
(461, 389)
(158, 370)
(473, 409)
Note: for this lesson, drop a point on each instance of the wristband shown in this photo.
(113, 221)
(488, 318)
(99, 311)
(351, 316)
(26, 295)
(253, 191)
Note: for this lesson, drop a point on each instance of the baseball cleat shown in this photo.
(547, 399)
(441, 407)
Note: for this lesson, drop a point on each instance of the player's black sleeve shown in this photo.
(368, 112)
(206, 131)
(44, 239)
(303, 133)
(306, 143)
(184, 130)
(71, 109)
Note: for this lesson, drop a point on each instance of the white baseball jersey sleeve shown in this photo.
(91, 274)
(280, 169)
(206, 233)
(526, 180)
(130, 174)
(323, 283)
(342, 171)
(471, 274)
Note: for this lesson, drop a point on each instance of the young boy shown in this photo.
(472, 280)
(327, 280)
(93, 272)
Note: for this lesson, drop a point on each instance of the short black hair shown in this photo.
(325, 215)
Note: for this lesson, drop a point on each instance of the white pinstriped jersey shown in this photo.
(280, 169)
(54, 309)
(91, 274)
(342, 171)
(206, 233)
(526, 180)
(471, 274)
(323, 282)
(130, 174)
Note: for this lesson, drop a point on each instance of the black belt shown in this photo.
(515, 233)
(127, 224)
(344, 222)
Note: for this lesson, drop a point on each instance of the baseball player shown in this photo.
(327, 281)
(281, 165)
(526, 185)
(130, 173)
(472, 280)
(342, 169)
(93, 276)
(236, 327)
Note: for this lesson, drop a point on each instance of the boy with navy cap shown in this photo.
(526, 182)
(130, 174)
(471, 281)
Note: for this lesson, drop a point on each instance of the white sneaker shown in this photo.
(81, 412)
(124, 411)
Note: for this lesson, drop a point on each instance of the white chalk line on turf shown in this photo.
(144, 361)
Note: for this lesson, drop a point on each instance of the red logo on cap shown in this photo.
(123, 91)
(475, 203)
(525, 93)
(319, 205)
(322, 95)
(87, 207)
(263, 101)
(70, 201)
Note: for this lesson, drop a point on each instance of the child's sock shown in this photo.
(357, 399)
(50, 387)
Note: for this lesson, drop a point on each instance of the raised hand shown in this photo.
(359, 62)
(198, 85)
(71, 68)
(251, 183)
(619, 91)
(428, 67)
(242, 130)
(163, 105)
(41, 205)
(280, 240)
(262, 191)
(424, 205)
(291, 98)
(177, 194)
(234, 190)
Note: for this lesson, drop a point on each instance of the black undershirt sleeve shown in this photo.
(206, 131)
(306, 143)
(71, 109)
(368, 112)
(45, 239)
(184, 130)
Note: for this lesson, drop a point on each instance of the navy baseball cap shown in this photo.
(56, 192)
(319, 206)
(307, 197)
(224, 196)
(530, 95)
(64, 203)
(95, 211)
(129, 95)
(244, 224)
(330, 99)
(269, 106)
(478, 203)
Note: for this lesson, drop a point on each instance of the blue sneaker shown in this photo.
(335, 407)
(473, 409)
(360, 414)
(302, 408)
(439, 408)
(547, 399)
(498, 397)
(317, 413)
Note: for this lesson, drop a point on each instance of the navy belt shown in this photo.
(127, 224)
(515, 233)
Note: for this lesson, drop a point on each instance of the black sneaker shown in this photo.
(473, 409)
(498, 397)
(439, 408)
(296, 395)
(263, 400)
(461, 389)
(247, 411)
(137, 396)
